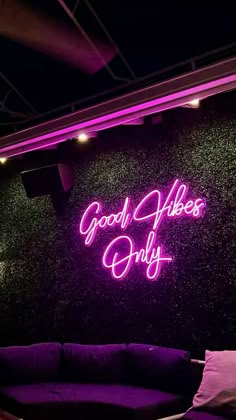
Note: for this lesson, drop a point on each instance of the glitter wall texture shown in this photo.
(52, 287)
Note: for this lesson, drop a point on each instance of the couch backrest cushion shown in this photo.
(30, 364)
(94, 363)
(159, 368)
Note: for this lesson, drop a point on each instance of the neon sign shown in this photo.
(121, 253)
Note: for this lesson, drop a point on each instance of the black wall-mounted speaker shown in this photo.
(53, 180)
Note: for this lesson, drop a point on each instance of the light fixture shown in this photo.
(3, 160)
(195, 103)
(83, 138)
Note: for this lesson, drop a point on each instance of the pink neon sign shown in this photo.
(121, 253)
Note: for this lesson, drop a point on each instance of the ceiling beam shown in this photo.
(211, 80)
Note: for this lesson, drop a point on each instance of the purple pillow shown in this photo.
(96, 364)
(159, 368)
(30, 364)
(217, 391)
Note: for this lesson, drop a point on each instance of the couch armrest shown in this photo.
(7, 416)
(197, 371)
(175, 417)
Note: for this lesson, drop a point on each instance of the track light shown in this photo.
(3, 160)
(195, 103)
(83, 138)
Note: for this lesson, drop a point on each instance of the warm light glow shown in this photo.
(195, 103)
(83, 138)
(3, 160)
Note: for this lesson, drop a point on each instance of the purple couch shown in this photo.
(72, 381)
(202, 415)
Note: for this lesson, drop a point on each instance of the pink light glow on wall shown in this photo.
(122, 253)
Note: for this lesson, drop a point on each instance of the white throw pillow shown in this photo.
(217, 391)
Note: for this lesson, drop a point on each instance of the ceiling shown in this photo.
(84, 47)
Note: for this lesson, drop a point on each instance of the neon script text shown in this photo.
(121, 253)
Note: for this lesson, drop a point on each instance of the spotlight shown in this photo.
(83, 138)
(3, 160)
(195, 103)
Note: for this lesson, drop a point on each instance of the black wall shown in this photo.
(54, 288)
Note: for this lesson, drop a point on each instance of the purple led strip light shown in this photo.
(118, 117)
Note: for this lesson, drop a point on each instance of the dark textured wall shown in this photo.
(54, 288)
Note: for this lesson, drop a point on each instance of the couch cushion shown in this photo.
(63, 401)
(30, 364)
(159, 368)
(99, 364)
(201, 415)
